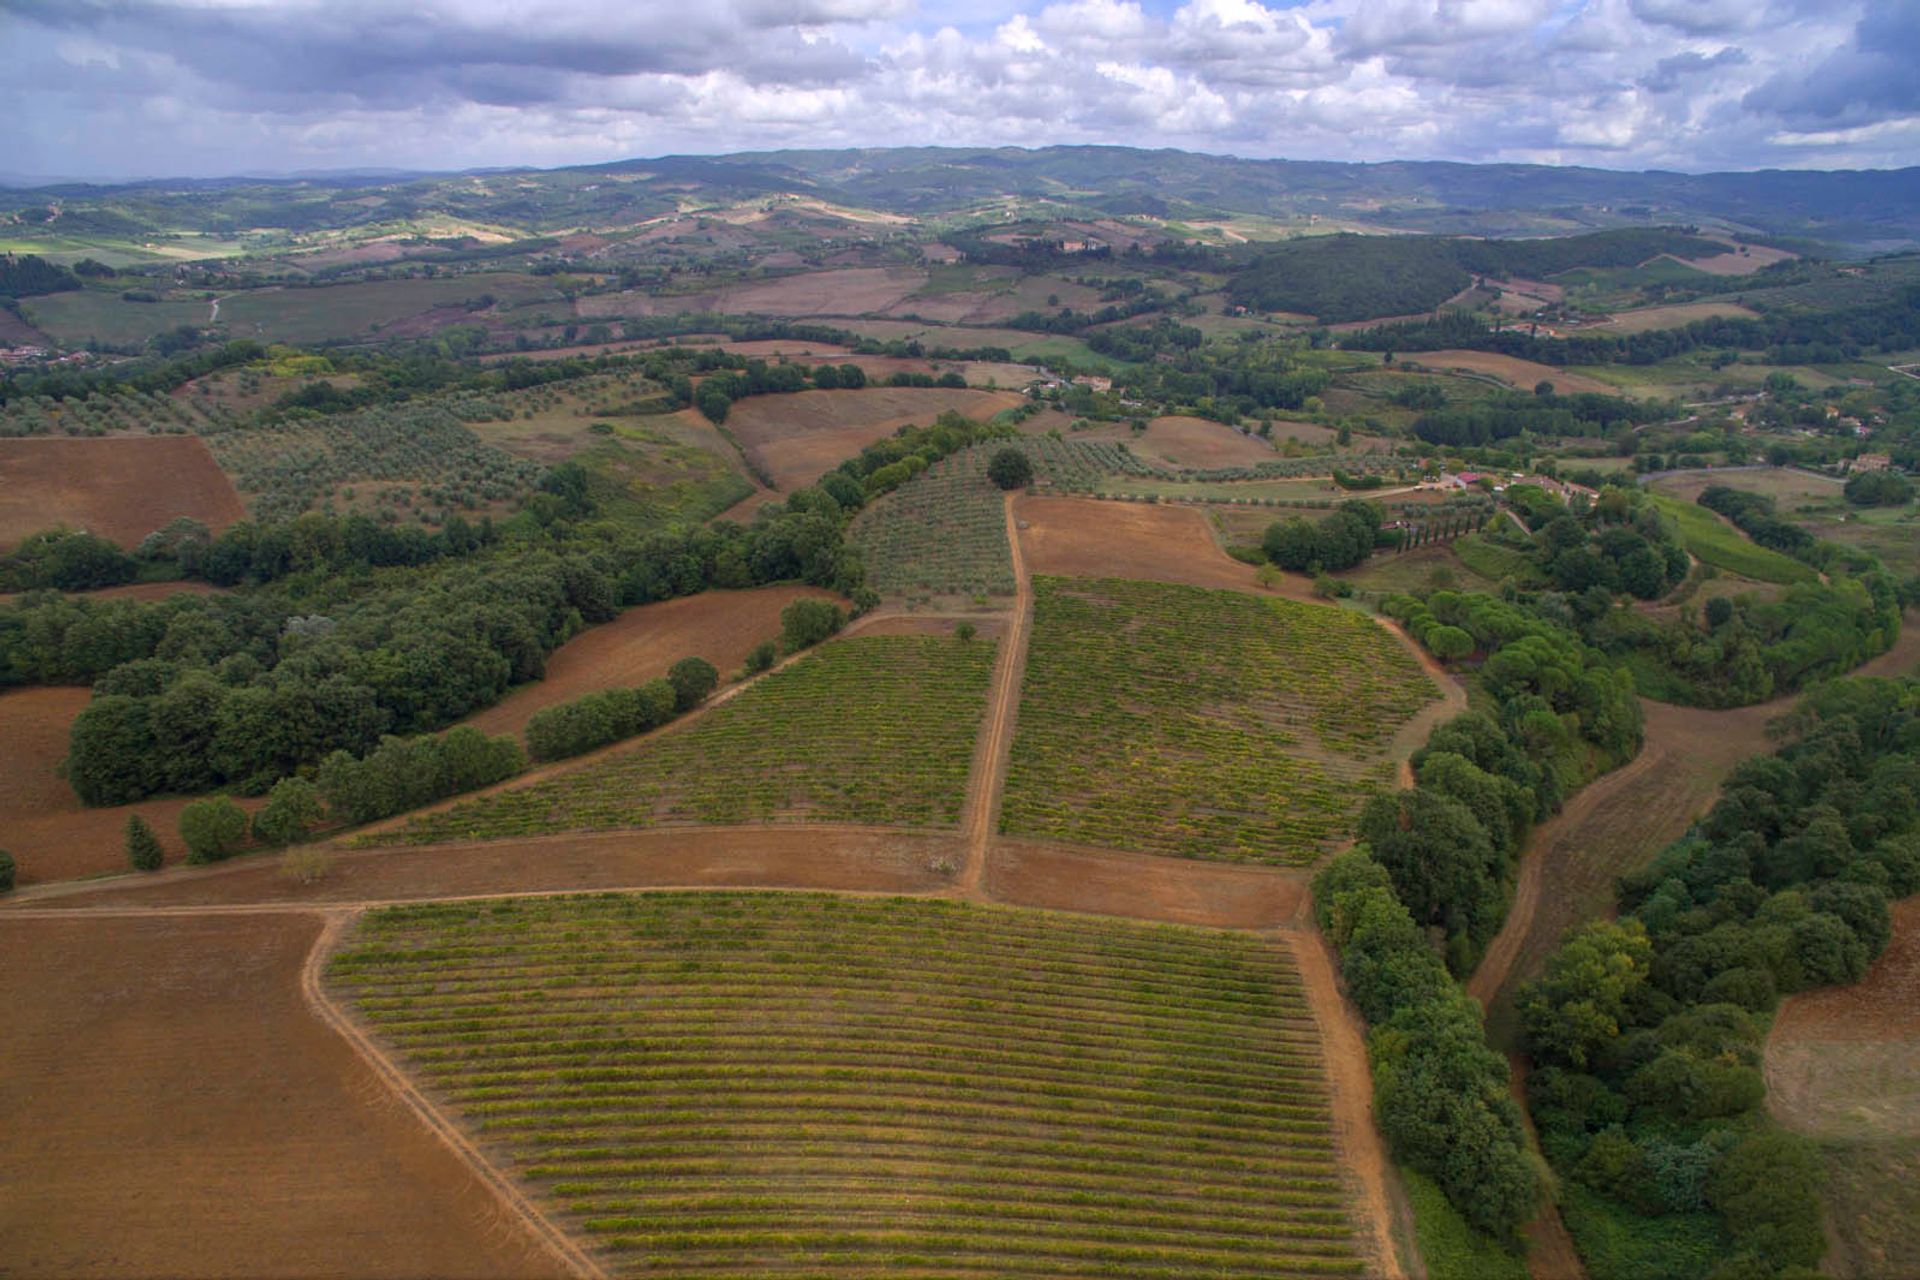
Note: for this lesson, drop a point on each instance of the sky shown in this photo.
(175, 88)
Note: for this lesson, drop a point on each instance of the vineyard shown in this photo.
(1202, 724)
(875, 729)
(709, 1084)
(399, 454)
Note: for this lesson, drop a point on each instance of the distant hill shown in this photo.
(1868, 210)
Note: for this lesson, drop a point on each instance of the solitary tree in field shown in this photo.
(1010, 469)
(964, 632)
(143, 847)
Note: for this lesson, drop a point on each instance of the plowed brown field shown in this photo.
(174, 1108)
(794, 438)
(121, 487)
(1087, 538)
(640, 644)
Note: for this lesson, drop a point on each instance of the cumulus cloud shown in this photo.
(121, 87)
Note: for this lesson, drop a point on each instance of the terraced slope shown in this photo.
(1200, 723)
(784, 1084)
(874, 729)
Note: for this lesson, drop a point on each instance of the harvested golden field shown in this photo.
(640, 644)
(177, 1109)
(122, 488)
(795, 438)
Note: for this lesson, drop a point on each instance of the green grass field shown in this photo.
(731, 1084)
(1715, 542)
(103, 315)
(877, 729)
(1202, 724)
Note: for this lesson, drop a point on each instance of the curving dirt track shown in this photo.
(1612, 826)
(153, 1064)
(1619, 821)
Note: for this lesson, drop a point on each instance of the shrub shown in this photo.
(213, 829)
(805, 623)
(292, 807)
(6, 871)
(692, 680)
(1010, 469)
(306, 866)
(760, 657)
(143, 846)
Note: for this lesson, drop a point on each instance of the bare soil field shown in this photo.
(640, 644)
(1084, 538)
(1069, 878)
(1522, 374)
(1642, 319)
(842, 858)
(122, 488)
(794, 438)
(42, 823)
(176, 1108)
(1844, 1062)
